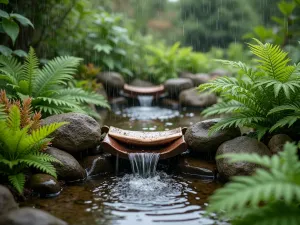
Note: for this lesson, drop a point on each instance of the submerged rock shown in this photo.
(239, 145)
(7, 201)
(193, 98)
(277, 142)
(198, 167)
(112, 82)
(69, 169)
(81, 133)
(29, 216)
(44, 184)
(176, 85)
(98, 164)
(199, 141)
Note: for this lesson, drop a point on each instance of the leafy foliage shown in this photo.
(271, 196)
(264, 98)
(10, 25)
(47, 86)
(21, 143)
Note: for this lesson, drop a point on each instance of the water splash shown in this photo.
(145, 100)
(144, 164)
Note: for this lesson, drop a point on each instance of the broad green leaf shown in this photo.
(286, 7)
(20, 53)
(5, 50)
(23, 86)
(22, 19)
(4, 14)
(11, 28)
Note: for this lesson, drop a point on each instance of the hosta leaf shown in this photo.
(11, 28)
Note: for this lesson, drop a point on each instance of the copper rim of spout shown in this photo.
(135, 90)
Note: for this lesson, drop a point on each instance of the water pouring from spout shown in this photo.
(144, 164)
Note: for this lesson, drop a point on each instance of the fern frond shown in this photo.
(2, 112)
(240, 120)
(14, 118)
(12, 68)
(56, 72)
(223, 107)
(286, 121)
(38, 163)
(275, 214)
(18, 181)
(82, 96)
(30, 68)
(37, 135)
(273, 60)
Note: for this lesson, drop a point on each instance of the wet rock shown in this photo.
(174, 104)
(82, 132)
(7, 201)
(98, 164)
(197, 79)
(199, 141)
(29, 216)
(277, 142)
(141, 83)
(69, 169)
(112, 82)
(198, 167)
(219, 73)
(239, 145)
(44, 184)
(118, 102)
(193, 98)
(176, 85)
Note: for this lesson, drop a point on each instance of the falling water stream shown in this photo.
(144, 164)
(145, 100)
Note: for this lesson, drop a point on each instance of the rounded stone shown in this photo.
(7, 201)
(176, 85)
(238, 145)
(112, 82)
(192, 98)
(69, 169)
(199, 141)
(81, 133)
(98, 164)
(277, 142)
(141, 83)
(44, 184)
(29, 216)
(197, 79)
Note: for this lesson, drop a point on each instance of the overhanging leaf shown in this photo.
(11, 28)
(21, 19)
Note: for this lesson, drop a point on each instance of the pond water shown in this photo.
(124, 199)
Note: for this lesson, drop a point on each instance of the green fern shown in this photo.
(20, 148)
(48, 87)
(262, 98)
(263, 194)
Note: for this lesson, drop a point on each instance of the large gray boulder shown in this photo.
(81, 133)
(277, 142)
(44, 184)
(238, 145)
(176, 85)
(193, 98)
(7, 201)
(199, 141)
(112, 82)
(69, 169)
(29, 216)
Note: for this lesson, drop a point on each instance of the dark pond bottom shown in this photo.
(128, 200)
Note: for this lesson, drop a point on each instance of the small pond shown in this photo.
(122, 199)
